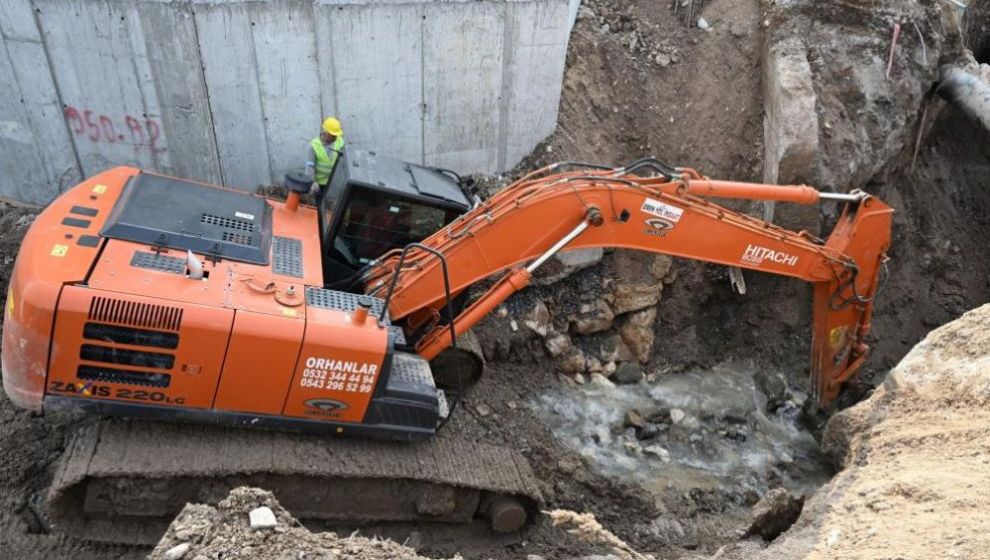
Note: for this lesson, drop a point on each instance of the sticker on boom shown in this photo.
(754, 254)
(657, 227)
(662, 210)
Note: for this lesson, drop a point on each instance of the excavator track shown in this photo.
(124, 481)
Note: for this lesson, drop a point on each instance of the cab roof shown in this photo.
(377, 171)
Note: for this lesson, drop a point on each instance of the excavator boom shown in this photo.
(669, 212)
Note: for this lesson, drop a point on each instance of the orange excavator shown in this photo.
(149, 297)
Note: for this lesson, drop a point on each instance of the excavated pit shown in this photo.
(639, 82)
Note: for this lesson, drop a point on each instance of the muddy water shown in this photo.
(725, 440)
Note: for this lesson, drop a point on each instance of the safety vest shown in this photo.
(325, 161)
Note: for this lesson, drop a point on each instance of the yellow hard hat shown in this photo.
(332, 127)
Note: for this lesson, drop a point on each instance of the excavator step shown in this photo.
(125, 480)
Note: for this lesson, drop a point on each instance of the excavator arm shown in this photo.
(670, 212)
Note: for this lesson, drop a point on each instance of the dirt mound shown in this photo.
(202, 532)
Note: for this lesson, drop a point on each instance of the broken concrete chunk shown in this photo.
(262, 518)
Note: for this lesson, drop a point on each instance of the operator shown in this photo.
(323, 153)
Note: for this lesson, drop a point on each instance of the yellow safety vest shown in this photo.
(325, 161)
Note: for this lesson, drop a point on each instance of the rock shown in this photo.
(637, 332)
(562, 265)
(649, 431)
(633, 418)
(660, 267)
(579, 379)
(609, 368)
(634, 296)
(676, 415)
(593, 317)
(773, 386)
(614, 349)
(262, 518)
(703, 24)
(691, 422)
(601, 381)
(177, 551)
(658, 452)
(628, 373)
(533, 557)
(569, 464)
(774, 514)
(662, 59)
(557, 344)
(538, 319)
(593, 364)
(482, 409)
(573, 362)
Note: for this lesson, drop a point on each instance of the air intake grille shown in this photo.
(227, 223)
(287, 257)
(107, 310)
(238, 238)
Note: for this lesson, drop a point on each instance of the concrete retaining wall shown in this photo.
(232, 91)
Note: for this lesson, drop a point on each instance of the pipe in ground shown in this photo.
(967, 91)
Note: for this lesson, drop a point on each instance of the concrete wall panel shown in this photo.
(462, 76)
(231, 91)
(226, 44)
(377, 60)
(531, 88)
(172, 46)
(288, 80)
(37, 160)
(95, 67)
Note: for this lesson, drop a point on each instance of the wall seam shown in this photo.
(137, 73)
(422, 84)
(206, 90)
(261, 99)
(505, 91)
(333, 68)
(58, 94)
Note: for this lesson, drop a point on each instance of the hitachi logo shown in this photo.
(755, 254)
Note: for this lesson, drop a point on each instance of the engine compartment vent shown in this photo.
(137, 314)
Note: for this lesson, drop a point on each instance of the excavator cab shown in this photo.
(375, 204)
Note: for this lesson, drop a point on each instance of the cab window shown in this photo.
(375, 222)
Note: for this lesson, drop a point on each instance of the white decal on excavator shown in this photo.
(662, 210)
(341, 365)
(754, 254)
(338, 375)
